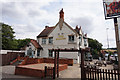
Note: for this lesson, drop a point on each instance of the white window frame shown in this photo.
(70, 38)
(50, 53)
(50, 40)
(44, 40)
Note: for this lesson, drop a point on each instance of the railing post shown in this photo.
(106, 73)
(58, 64)
(53, 72)
(103, 75)
(54, 75)
(45, 71)
(82, 64)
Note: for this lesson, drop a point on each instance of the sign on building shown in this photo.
(60, 37)
(111, 8)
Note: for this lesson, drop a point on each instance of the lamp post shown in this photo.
(107, 43)
(107, 37)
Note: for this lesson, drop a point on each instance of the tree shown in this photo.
(8, 37)
(95, 47)
(23, 42)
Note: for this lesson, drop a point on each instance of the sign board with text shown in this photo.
(111, 8)
(60, 37)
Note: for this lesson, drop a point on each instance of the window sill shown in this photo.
(72, 43)
(43, 44)
(50, 43)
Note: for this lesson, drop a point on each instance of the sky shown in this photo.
(29, 17)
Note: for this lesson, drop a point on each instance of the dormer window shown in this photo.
(71, 38)
(43, 40)
(85, 41)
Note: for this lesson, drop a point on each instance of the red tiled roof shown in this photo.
(45, 32)
(35, 43)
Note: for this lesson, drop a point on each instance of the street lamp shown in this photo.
(107, 37)
(107, 42)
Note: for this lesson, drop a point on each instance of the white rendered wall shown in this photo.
(62, 44)
(33, 49)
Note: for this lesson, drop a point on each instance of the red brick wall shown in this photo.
(35, 72)
(41, 60)
(46, 60)
(61, 61)
(63, 67)
(32, 61)
(29, 72)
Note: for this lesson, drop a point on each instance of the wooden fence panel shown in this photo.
(10, 56)
(101, 74)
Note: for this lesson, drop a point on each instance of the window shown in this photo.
(50, 53)
(85, 42)
(43, 40)
(80, 40)
(71, 38)
(51, 40)
(38, 52)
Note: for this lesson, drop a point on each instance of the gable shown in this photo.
(65, 26)
(47, 31)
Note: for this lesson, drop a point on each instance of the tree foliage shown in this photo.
(22, 42)
(95, 47)
(8, 39)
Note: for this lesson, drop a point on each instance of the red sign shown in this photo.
(112, 8)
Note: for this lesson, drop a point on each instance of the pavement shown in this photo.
(9, 70)
(72, 72)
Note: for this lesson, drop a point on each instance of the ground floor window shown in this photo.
(50, 53)
(38, 52)
(30, 52)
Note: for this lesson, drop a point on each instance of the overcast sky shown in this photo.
(28, 17)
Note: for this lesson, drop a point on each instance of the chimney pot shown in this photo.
(46, 27)
(77, 27)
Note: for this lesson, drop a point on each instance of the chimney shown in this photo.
(61, 19)
(61, 14)
(77, 27)
(80, 27)
(46, 27)
(86, 35)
